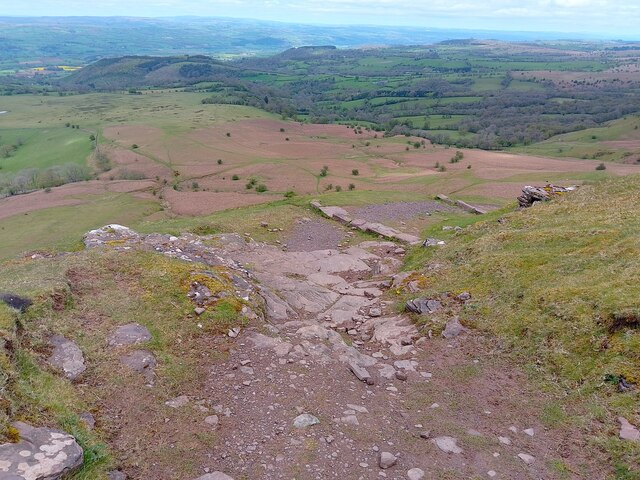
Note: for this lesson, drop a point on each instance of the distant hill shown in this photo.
(135, 72)
(81, 40)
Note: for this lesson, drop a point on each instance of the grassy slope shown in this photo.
(587, 143)
(559, 284)
(103, 290)
(61, 228)
(44, 147)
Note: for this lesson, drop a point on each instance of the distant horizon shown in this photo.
(548, 34)
(610, 19)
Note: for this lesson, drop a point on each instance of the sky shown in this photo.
(609, 18)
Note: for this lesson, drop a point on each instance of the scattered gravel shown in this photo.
(400, 210)
(314, 235)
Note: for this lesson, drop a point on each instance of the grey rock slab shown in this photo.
(177, 402)
(393, 330)
(215, 476)
(142, 362)
(415, 474)
(386, 460)
(357, 408)
(423, 306)
(116, 475)
(628, 431)
(453, 328)
(130, 334)
(345, 309)
(361, 373)
(447, 444)
(66, 357)
(300, 295)
(326, 280)
(305, 420)
(41, 454)
(526, 458)
(386, 371)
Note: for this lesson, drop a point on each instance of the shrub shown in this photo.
(125, 174)
(442, 168)
(195, 186)
(261, 188)
(352, 186)
(355, 172)
(602, 166)
(228, 134)
(338, 188)
(235, 177)
(219, 161)
(329, 187)
(282, 130)
(324, 171)
(289, 194)
(134, 146)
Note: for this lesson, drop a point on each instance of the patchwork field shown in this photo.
(169, 156)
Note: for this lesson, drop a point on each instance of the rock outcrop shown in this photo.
(41, 454)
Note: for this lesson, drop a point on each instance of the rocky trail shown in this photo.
(328, 380)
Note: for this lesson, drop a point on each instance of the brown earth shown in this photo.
(464, 388)
(70, 194)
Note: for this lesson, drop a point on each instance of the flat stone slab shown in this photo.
(41, 454)
(215, 476)
(142, 362)
(66, 357)
(130, 334)
(628, 431)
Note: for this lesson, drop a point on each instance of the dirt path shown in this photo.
(380, 399)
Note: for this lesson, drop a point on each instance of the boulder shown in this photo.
(453, 328)
(130, 334)
(66, 357)
(14, 301)
(41, 454)
(423, 306)
(142, 362)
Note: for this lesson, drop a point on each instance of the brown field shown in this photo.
(292, 160)
(70, 194)
(183, 173)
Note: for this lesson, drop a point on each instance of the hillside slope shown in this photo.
(141, 71)
(559, 285)
(549, 360)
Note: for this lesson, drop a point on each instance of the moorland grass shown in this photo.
(558, 285)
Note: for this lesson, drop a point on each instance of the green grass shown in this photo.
(61, 228)
(559, 284)
(587, 143)
(44, 147)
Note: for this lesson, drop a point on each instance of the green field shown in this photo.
(588, 143)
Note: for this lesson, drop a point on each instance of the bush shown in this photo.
(355, 172)
(261, 188)
(289, 194)
(194, 186)
(235, 177)
(228, 134)
(338, 188)
(219, 161)
(329, 187)
(125, 174)
(324, 171)
(602, 166)
(282, 130)
(352, 186)
(134, 146)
